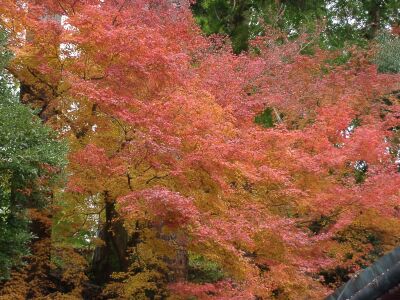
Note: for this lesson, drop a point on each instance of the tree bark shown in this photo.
(374, 16)
(112, 256)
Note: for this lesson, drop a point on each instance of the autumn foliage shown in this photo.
(166, 153)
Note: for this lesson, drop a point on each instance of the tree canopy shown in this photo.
(195, 172)
(338, 22)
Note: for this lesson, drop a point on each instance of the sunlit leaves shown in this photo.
(162, 126)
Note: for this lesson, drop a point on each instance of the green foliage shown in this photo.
(223, 17)
(26, 146)
(360, 171)
(202, 270)
(13, 234)
(343, 22)
(340, 59)
(266, 118)
(360, 19)
(244, 20)
(388, 56)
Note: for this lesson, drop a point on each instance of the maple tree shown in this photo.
(170, 175)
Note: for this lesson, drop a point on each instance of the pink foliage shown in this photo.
(161, 205)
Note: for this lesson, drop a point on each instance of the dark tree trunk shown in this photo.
(177, 264)
(112, 256)
(374, 18)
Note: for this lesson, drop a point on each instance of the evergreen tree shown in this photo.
(29, 151)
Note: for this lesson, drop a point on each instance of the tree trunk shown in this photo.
(112, 256)
(177, 264)
(374, 15)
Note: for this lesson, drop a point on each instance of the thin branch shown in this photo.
(119, 11)
(73, 6)
(62, 7)
(156, 177)
(53, 89)
(277, 116)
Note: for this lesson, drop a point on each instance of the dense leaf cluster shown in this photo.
(27, 149)
(195, 172)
